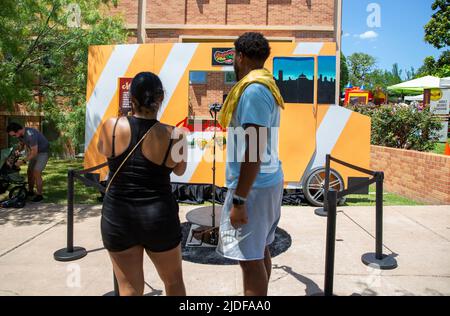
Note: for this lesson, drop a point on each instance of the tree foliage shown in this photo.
(437, 30)
(344, 72)
(437, 33)
(432, 67)
(44, 51)
(360, 66)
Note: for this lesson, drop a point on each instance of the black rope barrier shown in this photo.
(377, 259)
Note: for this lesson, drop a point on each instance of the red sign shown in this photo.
(124, 96)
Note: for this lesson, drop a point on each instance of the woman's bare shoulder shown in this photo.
(164, 129)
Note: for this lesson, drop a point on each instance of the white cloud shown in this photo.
(346, 35)
(368, 35)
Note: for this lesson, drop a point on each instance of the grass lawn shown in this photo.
(55, 183)
(55, 188)
(369, 200)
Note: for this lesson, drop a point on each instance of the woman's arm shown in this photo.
(105, 132)
(180, 147)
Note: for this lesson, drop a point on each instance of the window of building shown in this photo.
(197, 77)
(230, 77)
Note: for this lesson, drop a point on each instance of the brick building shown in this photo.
(223, 21)
(214, 21)
(19, 115)
(203, 20)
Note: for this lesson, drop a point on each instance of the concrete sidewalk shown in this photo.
(419, 238)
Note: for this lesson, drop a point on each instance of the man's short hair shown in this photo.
(253, 45)
(13, 127)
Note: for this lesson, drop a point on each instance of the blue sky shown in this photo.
(399, 37)
(293, 67)
(327, 67)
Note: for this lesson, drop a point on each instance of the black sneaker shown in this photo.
(37, 198)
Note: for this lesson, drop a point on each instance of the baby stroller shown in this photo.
(11, 180)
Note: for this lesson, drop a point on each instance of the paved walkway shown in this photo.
(418, 236)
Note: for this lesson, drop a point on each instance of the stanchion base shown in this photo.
(64, 255)
(321, 212)
(386, 263)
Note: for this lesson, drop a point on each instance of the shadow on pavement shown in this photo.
(208, 255)
(43, 214)
(312, 289)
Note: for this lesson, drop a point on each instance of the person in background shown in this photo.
(37, 156)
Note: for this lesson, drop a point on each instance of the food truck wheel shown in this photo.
(313, 186)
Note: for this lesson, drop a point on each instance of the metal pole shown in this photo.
(141, 32)
(214, 174)
(327, 182)
(379, 260)
(70, 253)
(338, 36)
(330, 245)
(70, 183)
(379, 217)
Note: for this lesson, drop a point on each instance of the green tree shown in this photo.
(410, 74)
(43, 52)
(437, 31)
(360, 67)
(396, 74)
(384, 78)
(344, 72)
(439, 68)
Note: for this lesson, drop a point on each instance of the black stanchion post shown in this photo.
(70, 253)
(378, 259)
(379, 218)
(323, 211)
(70, 199)
(331, 240)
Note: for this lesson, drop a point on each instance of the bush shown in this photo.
(401, 126)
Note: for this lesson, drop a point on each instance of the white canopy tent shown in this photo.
(416, 85)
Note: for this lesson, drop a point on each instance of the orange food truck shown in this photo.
(195, 75)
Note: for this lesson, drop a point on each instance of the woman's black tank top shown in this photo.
(139, 178)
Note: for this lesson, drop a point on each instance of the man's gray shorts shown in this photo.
(38, 163)
(249, 241)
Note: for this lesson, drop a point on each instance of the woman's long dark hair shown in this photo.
(146, 91)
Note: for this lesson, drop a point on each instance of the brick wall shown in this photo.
(164, 36)
(424, 177)
(202, 95)
(231, 12)
(19, 113)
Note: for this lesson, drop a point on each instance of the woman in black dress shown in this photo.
(139, 211)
